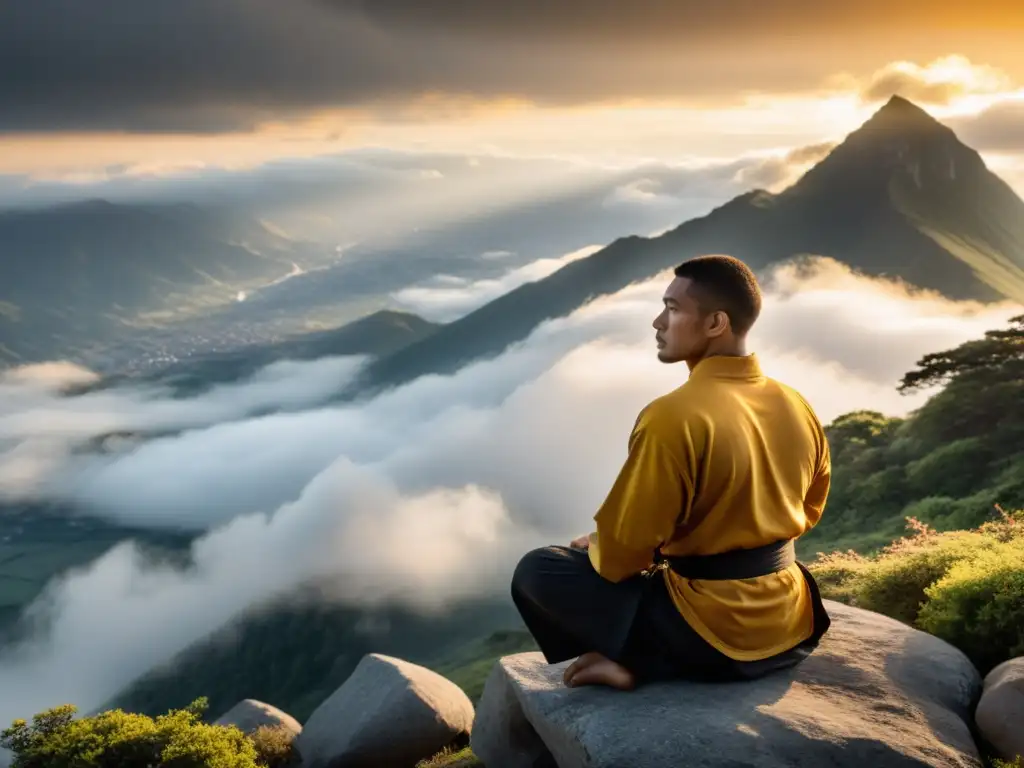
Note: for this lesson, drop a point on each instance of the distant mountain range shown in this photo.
(80, 271)
(900, 197)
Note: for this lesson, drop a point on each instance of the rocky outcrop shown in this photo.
(388, 712)
(876, 693)
(249, 715)
(1000, 712)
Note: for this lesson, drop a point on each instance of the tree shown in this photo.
(999, 356)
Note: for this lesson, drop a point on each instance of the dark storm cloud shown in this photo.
(651, 20)
(191, 65)
(217, 65)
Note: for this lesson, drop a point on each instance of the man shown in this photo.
(691, 572)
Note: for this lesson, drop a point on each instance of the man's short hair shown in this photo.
(724, 283)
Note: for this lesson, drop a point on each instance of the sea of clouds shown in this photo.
(423, 495)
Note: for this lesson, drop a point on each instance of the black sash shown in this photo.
(750, 564)
(736, 564)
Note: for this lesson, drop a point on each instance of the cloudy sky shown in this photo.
(665, 105)
(116, 87)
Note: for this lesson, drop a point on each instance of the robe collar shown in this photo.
(730, 367)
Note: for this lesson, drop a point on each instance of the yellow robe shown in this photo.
(731, 459)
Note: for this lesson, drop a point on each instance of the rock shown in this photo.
(876, 693)
(389, 712)
(248, 715)
(1000, 713)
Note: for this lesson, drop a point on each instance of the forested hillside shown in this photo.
(947, 465)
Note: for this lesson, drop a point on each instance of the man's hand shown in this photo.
(583, 542)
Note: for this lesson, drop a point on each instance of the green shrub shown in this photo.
(896, 583)
(978, 606)
(838, 574)
(118, 739)
(966, 587)
(274, 746)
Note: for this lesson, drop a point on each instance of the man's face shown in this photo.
(682, 328)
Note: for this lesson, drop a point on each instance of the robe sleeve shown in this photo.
(646, 502)
(817, 492)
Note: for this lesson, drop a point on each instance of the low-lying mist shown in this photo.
(424, 495)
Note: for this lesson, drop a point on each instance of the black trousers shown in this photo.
(570, 610)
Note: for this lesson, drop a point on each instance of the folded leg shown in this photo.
(572, 611)
(569, 608)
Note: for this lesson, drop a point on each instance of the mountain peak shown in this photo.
(900, 115)
(900, 140)
(897, 102)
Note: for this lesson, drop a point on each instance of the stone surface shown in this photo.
(249, 714)
(389, 712)
(1000, 712)
(876, 694)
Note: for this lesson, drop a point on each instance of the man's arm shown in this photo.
(644, 505)
(821, 481)
(817, 492)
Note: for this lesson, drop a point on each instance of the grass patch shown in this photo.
(462, 758)
(469, 665)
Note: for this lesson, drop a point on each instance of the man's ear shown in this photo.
(718, 323)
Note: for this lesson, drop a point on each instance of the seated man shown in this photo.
(691, 572)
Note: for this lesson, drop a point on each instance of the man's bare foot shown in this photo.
(582, 662)
(583, 542)
(602, 671)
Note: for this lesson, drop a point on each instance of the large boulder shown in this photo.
(876, 693)
(1000, 712)
(389, 712)
(249, 715)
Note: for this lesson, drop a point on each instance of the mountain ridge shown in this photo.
(902, 214)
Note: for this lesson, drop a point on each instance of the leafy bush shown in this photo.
(897, 581)
(274, 746)
(966, 587)
(118, 739)
(838, 574)
(978, 605)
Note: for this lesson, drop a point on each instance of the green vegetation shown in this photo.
(464, 758)
(947, 465)
(273, 745)
(966, 587)
(118, 739)
(469, 665)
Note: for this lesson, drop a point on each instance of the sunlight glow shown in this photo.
(609, 136)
